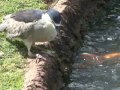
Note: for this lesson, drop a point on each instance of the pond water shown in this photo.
(97, 65)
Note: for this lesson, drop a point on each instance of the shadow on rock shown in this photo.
(22, 48)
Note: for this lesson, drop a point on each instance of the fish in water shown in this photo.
(99, 58)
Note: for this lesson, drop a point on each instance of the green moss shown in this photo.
(13, 61)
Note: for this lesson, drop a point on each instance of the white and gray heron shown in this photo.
(32, 26)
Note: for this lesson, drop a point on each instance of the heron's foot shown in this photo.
(42, 43)
(38, 56)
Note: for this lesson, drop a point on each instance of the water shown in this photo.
(91, 70)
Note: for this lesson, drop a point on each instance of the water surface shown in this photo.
(102, 38)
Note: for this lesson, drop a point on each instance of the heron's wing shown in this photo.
(21, 22)
(16, 28)
(29, 15)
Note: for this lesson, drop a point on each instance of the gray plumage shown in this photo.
(31, 26)
(28, 15)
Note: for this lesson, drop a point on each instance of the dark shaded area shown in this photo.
(20, 46)
(49, 1)
(23, 49)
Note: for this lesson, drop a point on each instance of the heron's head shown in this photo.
(52, 15)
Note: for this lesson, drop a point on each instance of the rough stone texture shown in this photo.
(51, 72)
(42, 74)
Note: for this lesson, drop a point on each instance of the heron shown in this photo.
(32, 25)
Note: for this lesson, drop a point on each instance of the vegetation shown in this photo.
(13, 61)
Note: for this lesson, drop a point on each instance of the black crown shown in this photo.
(55, 15)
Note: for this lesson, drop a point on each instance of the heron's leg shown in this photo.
(28, 45)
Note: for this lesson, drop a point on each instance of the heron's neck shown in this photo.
(46, 17)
